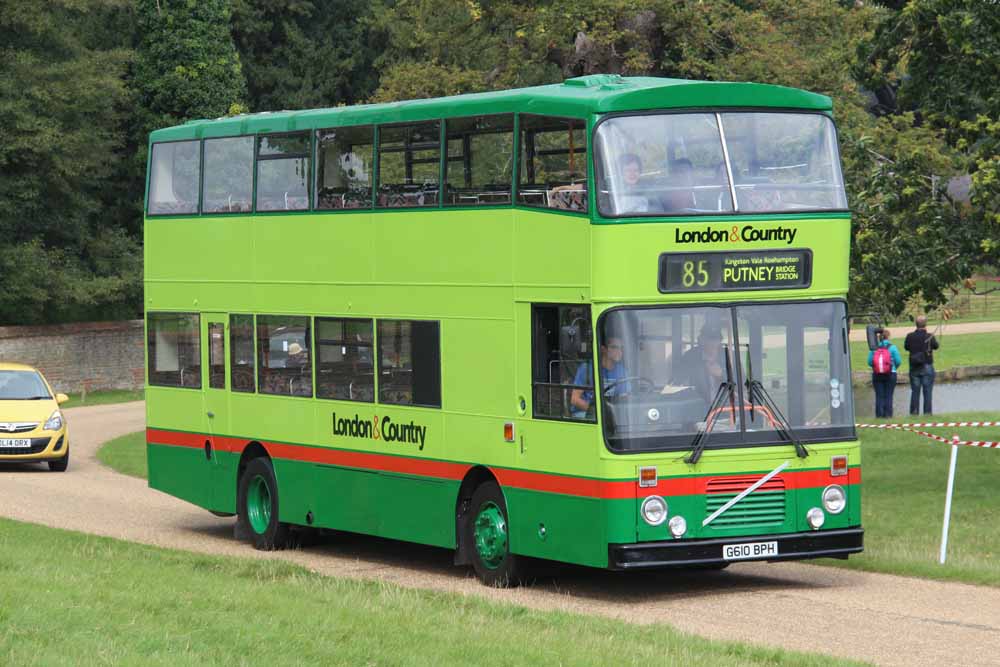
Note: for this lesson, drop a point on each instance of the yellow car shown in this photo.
(32, 428)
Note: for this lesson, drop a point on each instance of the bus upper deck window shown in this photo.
(175, 169)
(345, 167)
(480, 160)
(228, 175)
(283, 172)
(553, 163)
(409, 165)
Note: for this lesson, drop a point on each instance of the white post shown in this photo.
(947, 501)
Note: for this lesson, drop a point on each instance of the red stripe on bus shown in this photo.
(696, 486)
(175, 438)
(521, 479)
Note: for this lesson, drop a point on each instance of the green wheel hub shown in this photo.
(490, 532)
(259, 504)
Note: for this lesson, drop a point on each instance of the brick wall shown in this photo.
(95, 355)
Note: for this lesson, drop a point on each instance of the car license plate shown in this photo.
(749, 550)
(14, 443)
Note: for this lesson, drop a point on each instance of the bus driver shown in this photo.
(704, 366)
(612, 373)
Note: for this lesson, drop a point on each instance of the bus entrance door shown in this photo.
(215, 415)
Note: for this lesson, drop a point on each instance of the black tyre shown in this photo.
(60, 465)
(257, 505)
(488, 539)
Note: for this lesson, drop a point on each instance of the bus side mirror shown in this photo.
(872, 333)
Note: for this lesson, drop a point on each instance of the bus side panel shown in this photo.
(224, 481)
(343, 498)
(399, 507)
(180, 472)
(573, 527)
(415, 509)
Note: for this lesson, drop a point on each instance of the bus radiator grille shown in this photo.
(763, 507)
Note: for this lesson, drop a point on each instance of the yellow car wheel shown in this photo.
(60, 465)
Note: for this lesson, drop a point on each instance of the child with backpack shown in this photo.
(884, 361)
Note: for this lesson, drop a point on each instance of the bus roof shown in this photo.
(578, 98)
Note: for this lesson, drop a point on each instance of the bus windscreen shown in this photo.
(674, 363)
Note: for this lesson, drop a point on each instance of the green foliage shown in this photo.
(186, 65)
(61, 87)
(940, 56)
(301, 54)
(933, 65)
(909, 236)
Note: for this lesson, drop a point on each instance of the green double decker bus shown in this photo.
(600, 322)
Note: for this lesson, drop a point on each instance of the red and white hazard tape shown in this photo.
(941, 438)
(928, 425)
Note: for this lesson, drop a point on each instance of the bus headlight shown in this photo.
(834, 499)
(654, 510)
(815, 517)
(678, 526)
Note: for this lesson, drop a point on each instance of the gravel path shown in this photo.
(880, 618)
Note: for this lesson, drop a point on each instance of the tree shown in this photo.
(60, 91)
(301, 54)
(186, 64)
(934, 63)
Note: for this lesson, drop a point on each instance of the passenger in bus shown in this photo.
(680, 193)
(297, 357)
(612, 372)
(628, 200)
(571, 197)
(703, 367)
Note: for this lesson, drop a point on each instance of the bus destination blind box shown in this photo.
(735, 271)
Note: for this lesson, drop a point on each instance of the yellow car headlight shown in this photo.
(55, 422)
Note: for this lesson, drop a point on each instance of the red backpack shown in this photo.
(882, 361)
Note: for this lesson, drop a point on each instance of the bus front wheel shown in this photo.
(258, 506)
(488, 538)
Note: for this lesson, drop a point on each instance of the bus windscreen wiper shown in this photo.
(756, 392)
(726, 390)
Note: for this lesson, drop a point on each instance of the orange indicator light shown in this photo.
(647, 476)
(838, 466)
(508, 432)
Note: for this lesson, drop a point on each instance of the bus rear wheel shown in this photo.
(258, 506)
(488, 538)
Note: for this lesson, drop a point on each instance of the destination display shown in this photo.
(722, 271)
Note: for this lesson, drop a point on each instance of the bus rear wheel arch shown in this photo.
(257, 505)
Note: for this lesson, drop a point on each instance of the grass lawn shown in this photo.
(903, 484)
(126, 454)
(956, 350)
(104, 397)
(104, 601)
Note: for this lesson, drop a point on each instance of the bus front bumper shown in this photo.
(684, 553)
